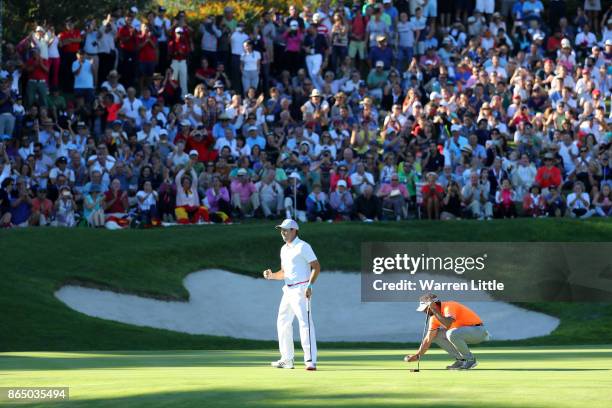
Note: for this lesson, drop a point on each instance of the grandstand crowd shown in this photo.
(339, 110)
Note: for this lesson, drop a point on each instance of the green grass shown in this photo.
(36, 262)
(506, 377)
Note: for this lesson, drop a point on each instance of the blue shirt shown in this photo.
(384, 55)
(218, 131)
(84, 80)
(259, 140)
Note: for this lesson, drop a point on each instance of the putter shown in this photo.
(418, 369)
(309, 343)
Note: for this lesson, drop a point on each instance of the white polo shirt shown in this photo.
(295, 261)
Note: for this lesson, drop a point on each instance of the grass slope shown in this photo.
(533, 377)
(36, 262)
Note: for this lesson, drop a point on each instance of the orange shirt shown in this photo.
(463, 315)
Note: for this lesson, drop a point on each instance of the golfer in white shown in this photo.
(299, 269)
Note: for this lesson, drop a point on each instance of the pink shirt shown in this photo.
(388, 188)
(244, 190)
(294, 43)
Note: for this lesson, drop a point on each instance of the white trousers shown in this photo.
(294, 304)
(179, 72)
(314, 63)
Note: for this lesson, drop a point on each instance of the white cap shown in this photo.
(134, 9)
(434, 95)
(193, 152)
(288, 223)
(316, 18)
(294, 175)
(341, 183)
(608, 42)
(565, 43)
(386, 1)
(242, 172)
(185, 122)
(39, 28)
(455, 128)
(425, 301)
(178, 30)
(294, 25)
(380, 63)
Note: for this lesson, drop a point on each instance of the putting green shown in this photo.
(506, 377)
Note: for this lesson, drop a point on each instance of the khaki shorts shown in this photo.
(357, 46)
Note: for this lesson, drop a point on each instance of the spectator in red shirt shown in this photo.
(205, 73)
(147, 55)
(202, 142)
(548, 175)
(178, 49)
(127, 42)
(341, 174)
(37, 90)
(69, 43)
(116, 201)
(433, 193)
(42, 208)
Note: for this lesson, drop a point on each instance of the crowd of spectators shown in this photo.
(383, 109)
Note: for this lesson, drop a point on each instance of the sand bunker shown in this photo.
(227, 304)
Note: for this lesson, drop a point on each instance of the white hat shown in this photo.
(193, 153)
(455, 128)
(425, 301)
(39, 28)
(294, 175)
(538, 36)
(341, 183)
(471, 19)
(315, 92)
(185, 122)
(288, 223)
(134, 9)
(565, 43)
(434, 95)
(608, 42)
(316, 18)
(294, 25)
(178, 30)
(380, 63)
(242, 172)
(252, 128)
(386, 1)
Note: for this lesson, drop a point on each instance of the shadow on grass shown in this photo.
(275, 398)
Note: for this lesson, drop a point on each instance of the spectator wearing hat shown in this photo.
(476, 199)
(377, 79)
(293, 38)
(394, 195)
(65, 209)
(341, 202)
(127, 43)
(203, 144)
(245, 196)
(188, 209)
(548, 175)
(381, 52)
(296, 194)
(178, 51)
